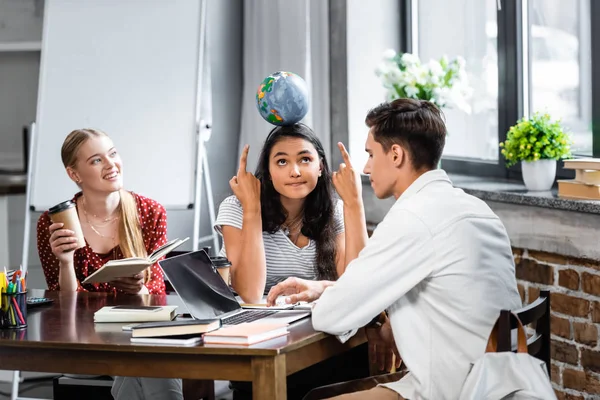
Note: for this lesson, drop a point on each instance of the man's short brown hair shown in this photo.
(416, 125)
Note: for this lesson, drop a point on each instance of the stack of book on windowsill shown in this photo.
(586, 185)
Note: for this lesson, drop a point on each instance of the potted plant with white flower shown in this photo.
(444, 82)
(537, 143)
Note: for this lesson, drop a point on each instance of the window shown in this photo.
(371, 29)
(538, 55)
(522, 56)
(560, 65)
(472, 135)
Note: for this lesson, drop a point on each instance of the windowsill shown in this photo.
(514, 192)
(538, 221)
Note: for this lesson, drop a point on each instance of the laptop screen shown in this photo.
(199, 285)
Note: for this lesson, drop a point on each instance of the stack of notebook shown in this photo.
(179, 332)
(193, 332)
(586, 185)
(246, 334)
(135, 313)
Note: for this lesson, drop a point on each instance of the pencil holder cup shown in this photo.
(13, 310)
(13, 334)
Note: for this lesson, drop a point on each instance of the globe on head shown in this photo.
(282, 98)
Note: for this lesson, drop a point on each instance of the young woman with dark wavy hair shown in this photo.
(284, 220)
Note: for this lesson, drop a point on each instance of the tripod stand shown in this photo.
(204, 131)
(203, 175)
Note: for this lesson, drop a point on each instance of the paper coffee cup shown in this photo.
(66, 213)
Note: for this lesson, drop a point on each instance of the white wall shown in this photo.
(373, 26)
(225, 30)
(20, 22)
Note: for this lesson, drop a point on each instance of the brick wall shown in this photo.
(575, 313)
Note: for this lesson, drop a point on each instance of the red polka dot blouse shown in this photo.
(153, 220)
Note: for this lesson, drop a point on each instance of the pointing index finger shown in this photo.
(244, 159)
(345, 155)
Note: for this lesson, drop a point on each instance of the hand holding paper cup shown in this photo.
(66, 214)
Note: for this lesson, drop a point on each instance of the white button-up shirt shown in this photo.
(441, 264)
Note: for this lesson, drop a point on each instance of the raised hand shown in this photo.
(346, 180)
(245, 186)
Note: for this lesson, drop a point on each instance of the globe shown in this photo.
(282, 98)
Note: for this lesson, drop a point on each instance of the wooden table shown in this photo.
(63, 338)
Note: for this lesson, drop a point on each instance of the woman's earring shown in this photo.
(319, 174)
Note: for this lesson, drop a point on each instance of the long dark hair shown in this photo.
(317, 221)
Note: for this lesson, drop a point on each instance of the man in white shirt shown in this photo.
(440, 263)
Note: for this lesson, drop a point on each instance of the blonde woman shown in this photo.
(116, 223)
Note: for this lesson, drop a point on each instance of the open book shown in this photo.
(133, 265)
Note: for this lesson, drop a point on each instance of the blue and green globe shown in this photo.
(282, 98)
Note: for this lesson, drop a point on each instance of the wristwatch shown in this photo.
(378, 321)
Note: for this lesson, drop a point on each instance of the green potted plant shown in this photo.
(537, 142)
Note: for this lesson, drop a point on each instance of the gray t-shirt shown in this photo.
(284, 258)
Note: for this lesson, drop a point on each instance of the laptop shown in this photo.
(206, 295)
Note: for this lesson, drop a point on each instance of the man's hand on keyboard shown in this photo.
(295, 290)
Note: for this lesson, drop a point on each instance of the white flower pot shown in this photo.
(538, 175)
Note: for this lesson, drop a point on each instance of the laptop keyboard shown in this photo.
(246, 316)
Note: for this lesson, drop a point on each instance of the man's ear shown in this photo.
(73, 175)
(398, 155)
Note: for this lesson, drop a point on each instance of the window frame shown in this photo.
(338, 79)
(595, 46)
(510, 18)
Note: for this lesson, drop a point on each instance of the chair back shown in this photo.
(536, 313)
